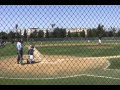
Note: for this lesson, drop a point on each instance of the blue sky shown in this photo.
(66, 16)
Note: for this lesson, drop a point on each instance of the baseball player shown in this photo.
(19, 52)
(31, 54)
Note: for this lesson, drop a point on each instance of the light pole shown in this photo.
(16, 27)
(53, 25)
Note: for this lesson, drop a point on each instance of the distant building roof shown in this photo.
(34, 28)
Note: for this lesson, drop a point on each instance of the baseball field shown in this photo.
(63, 62)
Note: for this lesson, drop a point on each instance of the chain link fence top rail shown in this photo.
(59, 44)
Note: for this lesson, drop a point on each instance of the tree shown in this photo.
(94, 32)
(11, 36)
(69, 34)
(118, 33)
(20, 32)
(40, 34)
(82, 34)
(34, 34)
(89, 33)
(25, 34)
(3, 35)
(18, 35)
(114, 31)
(100, 30)
(63, 32)
(55, 32)
(76, 34)
(110, 34)
(47, 34)
(59, 33)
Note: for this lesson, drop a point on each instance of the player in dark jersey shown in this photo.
(31, 54)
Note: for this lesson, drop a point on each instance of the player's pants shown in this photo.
(20, 54)
(99, 41)
(31, 58)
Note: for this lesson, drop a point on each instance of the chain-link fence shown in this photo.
(59, 44)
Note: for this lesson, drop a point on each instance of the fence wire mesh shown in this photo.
(59, 44)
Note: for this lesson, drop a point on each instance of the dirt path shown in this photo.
(54, 64)
(91, 45)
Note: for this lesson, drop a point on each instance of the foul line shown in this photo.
(106, 68)
(62, 77)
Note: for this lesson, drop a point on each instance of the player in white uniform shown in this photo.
(19, 52)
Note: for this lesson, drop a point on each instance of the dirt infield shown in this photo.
(72, 44)
(52, 65)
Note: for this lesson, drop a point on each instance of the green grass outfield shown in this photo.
(81, 50)
(108, 48)
(10, 50)
(84, 49)
(114, 63)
